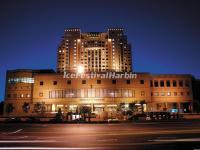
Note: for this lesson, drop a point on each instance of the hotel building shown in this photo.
(95, 51)
(39, 92)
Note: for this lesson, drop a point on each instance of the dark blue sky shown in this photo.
(165, 34)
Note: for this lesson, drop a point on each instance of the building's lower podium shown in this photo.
(44, 92)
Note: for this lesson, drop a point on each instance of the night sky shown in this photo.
(165, 34)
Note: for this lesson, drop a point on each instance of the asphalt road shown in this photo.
(130, 136)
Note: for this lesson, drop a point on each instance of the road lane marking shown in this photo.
(177, 140)
(27, 141)
(16, 131)
(7, 133)
(167, 137)
(124, 133)
(107, 140)
(48, 148)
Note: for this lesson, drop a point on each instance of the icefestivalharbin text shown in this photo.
(104, 75)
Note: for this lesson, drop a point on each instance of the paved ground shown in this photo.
(141, 135)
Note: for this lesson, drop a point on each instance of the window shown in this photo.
(41, 94)
(41, 83)
(155, 83)
(142, 93)
(175, 93)
(187, 83)
(180, 83)
(162, 93)
(128, 81)
(15, 95)
(141, 81)
(151, 83)
(54, 82)
(188, 93)
(113, 81)
(21, 80)
(168, 83)
(98, 81)
(174, 83)
(181, 93)
(8, 96)
(168, 93)
(28, 95)
(21, 95)
(83, 81)
(162, 84)
(68, 81)
(156, 94)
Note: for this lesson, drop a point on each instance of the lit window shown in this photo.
(41, 94)
(28, 95)
(142, 93)
(156, 94)
(21, 95)
(21, 80)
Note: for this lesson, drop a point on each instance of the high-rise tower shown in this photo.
(94, 51)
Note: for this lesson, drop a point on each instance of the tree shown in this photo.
(9, 108)
(132, 106)
(86, 111)
(122, 108)
(26, 107)
(59, 116)
(39, 108)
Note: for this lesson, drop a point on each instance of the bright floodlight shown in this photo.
(80, 69)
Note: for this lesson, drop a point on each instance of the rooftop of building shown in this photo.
(75, 29)
(52, 72)
(32, 70)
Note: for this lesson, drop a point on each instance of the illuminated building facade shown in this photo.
(33, 92)
(94, 51)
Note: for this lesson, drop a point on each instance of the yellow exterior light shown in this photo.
(80, 69)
